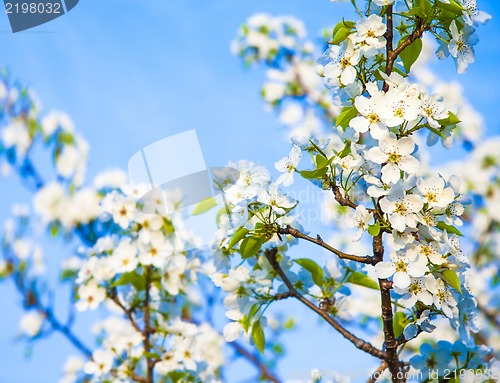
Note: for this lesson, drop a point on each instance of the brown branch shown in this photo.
(392, 54)
(391, 345)
(265, 373)
(128, 312)
(147, 328)
(369, 260)
(343, 200)
(378, 372)
(357, 342)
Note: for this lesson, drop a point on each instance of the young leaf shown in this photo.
(258, 336)
(374, 229)
(450, 120)
(450, 229)
(399, 323)
(131, 278)
(347, 114)
(410, 54)
(451, 278)
(250, 246)
(238, 236)
(341, 31)
(358, 278)
(313, 174)
(317, 273)
(255, 308)
(204, 206)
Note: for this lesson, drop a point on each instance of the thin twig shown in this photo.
(263, 370)
(378, 372)
(369, 260)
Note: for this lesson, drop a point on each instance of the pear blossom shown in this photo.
(288, 165)
(434, 192)
(233, 329)
(16, 136)
(361, 219)
(395, 155)
(416, 291)
(342, 65)
(124, 257)
(369, 35)
(402, 106)
(91, 295)
(461, 46)
(442, 297)
(401, 208)
(31, 323)
(472, 15)
(275, 198)
(432, 251)
(433, 109)
(100, 364)
(373, 112)
(402, 267)
(382, 3)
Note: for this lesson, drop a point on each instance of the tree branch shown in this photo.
(369, 260)
(376, 374)
(391, 345)
(265, 373)
(147, 329)
(343, 200)
(357, 342)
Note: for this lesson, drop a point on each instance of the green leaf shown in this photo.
(68, 274)
(347, 114)
(317, 273)
(321, 161)
(258, 336)
(204, 206)
(410, 54)
(451, 278)
(453, 7)
(450, 229)
(399, 323)
(450, 120)
(254, 310)
(131, 278)
(341, 31)
(374, 229)
(238, 236)
(358, 278)
(251, 246)
(346, 151)
(152, 355)
(313, 174)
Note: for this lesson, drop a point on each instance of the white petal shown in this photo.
(402, 280)
(384, 269)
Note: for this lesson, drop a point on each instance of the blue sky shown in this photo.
(132, 72)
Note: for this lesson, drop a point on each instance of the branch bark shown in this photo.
(357, 342)
(369, 260)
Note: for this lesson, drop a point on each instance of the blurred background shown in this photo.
(132, 72)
